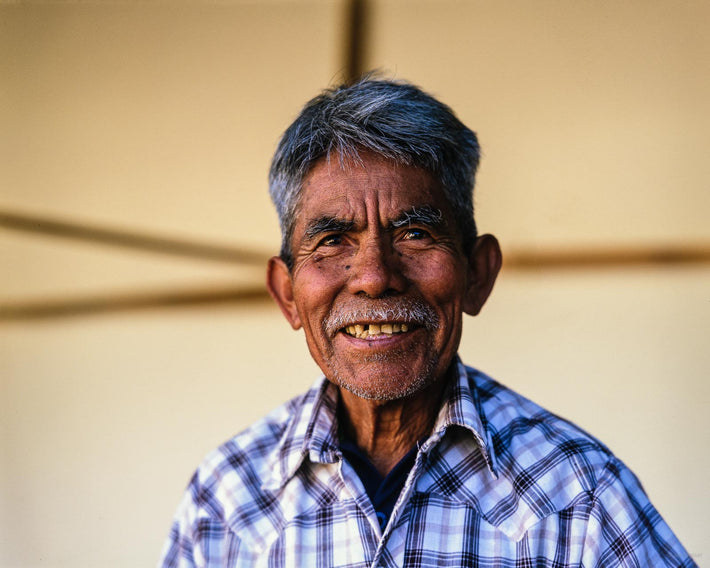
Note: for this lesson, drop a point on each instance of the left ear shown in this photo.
(484, 263)
(278, 282)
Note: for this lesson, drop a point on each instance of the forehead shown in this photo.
(354, 188)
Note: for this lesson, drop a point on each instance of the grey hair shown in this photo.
(393, 119)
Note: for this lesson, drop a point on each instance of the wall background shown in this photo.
(161, 119)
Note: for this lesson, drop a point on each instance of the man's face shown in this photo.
(379, 280)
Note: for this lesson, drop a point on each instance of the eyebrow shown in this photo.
(326, 224)
(423, 215)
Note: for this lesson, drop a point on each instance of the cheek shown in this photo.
(315, 289)
(440, 280)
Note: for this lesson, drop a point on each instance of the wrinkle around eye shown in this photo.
(425, 240)
(330, 246)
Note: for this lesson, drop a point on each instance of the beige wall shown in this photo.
(593, 118)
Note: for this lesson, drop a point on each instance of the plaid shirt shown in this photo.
(499, 483)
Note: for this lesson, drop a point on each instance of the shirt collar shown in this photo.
(312, 430)
(462, 407)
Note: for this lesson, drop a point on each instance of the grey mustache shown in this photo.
(410, 312)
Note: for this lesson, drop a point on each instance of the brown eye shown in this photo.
(330, 241)
(416, 234)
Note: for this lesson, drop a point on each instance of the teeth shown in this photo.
(363, 331)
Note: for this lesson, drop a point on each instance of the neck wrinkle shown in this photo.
(385, 431)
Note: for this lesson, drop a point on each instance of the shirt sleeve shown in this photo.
(198, 537)
(178, 551)
(625, 530)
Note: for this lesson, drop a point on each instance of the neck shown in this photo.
(386, 430)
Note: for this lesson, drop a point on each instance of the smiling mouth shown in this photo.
(366, 331)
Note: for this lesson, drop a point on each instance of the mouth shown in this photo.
(373, 330)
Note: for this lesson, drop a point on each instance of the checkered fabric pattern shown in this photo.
(499, 483)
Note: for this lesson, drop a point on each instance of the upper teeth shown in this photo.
(363, 331)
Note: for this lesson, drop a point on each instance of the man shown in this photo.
(401, 455)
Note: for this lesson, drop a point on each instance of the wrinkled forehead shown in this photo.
(369, 187)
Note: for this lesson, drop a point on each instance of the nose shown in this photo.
(376, 270)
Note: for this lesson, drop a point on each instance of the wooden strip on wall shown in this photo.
(59, 228)
(607, 257)
(92, 305)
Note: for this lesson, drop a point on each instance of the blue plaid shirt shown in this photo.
(499, 483)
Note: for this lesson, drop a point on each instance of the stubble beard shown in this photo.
(389, 388)
(392, 387)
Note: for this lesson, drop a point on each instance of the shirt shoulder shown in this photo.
(228, 486)
(232, 476)
(506, 425)
(526, 437)
(525, 464)
(224, 492)
(245, 492)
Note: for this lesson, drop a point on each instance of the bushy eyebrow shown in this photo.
(423, 215)
(326, 224)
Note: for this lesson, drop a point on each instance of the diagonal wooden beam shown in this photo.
(132, 301)
(53, 227)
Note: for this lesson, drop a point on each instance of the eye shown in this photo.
(416, 234)
(331, 241)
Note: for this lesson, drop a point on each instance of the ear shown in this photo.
(280, 286)
(484, 263)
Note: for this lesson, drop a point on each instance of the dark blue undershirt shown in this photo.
(383, 492)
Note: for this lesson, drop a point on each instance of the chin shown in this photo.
(383, 383)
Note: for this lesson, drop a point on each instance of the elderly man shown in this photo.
(401, 455)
